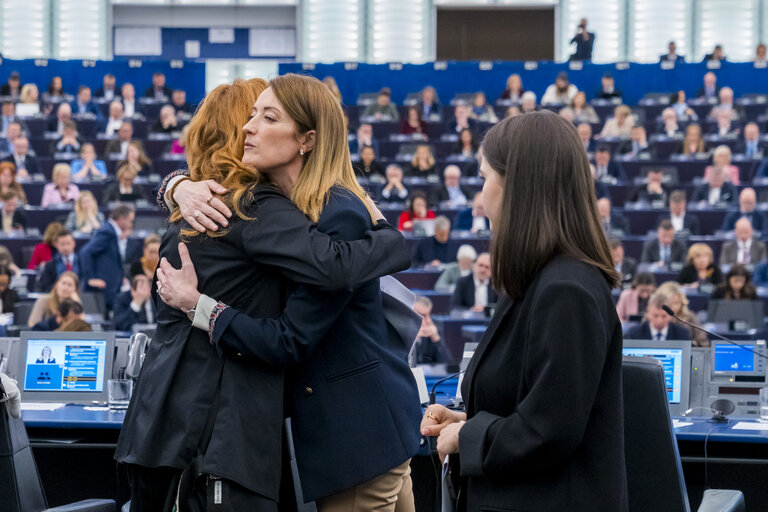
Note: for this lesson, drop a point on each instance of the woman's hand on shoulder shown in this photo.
(197, 197)
(437, 417)
(374, 209)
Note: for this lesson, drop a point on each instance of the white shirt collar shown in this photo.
(663, 332)
(118, 231)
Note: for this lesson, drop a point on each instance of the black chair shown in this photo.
(654, 472)
(21, 312)
(20, 487)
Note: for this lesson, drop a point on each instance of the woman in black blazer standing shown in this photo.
(543, 427)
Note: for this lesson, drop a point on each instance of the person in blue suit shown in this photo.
(747, 208)
(84, 105)
(102, 258)
(135, 306)
(658, 325)
(473, 219)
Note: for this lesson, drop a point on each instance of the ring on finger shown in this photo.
(196, 213)
(429, 415)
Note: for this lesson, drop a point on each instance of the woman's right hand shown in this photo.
(374, 209)
(198, 196)
(437, 417)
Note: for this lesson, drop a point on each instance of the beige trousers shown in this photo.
(390, 492)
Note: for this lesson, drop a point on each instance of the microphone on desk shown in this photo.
(432, 394)
(671, 313)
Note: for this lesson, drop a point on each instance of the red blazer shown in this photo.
(406, 216)
(42, 254)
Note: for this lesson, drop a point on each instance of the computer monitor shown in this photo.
(676, 358)
(729, 359)
(70, 367)
(469, 351)
(742, 314)
(8, 356)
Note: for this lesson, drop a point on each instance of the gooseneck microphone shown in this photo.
(432, 394)
(671, 313)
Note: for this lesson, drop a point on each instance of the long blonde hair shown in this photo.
(81, 215)
(53, 298)
(312, 106)
(215, 141)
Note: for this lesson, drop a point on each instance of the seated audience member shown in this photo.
(716, 55)
(147, 264)
(514, 91)
(669, 127)
(14, 219)
(585, 135)
(83, 106)
(473, 219)
(158, 90)
(47, 306)
(710, 91)
(29, 101)
(467, 145)
(87, 167)
(611, 222)
(104, 256)
(567, 114)
(601, 187)
(383, 109)
(413, 124)
(394, 190)
(423, 163)
(364, 138)
(751, 147)
(178, 146)
(8, 117)
(8, 296)
(606, 169)
(481, 110)
(8, 181)
(55, 92)
(737, 285)
(131, 107)
(528, 102)
(108, 89)
(72, 317)
(624, 265)
(65, 260)
(561, 92)
(461, 120)
(12, 87)
(6, 260)
(724, 127)
(26, 164)
(137, 159)
(608, 90)
(655, 191)
(44, 251)
(583, 111)
(475, 291)
(746, 249)
(179, 103)
(634, 301)
(167, 122)
(657, 325)
(418, 210)
(429, 348)
(124, 190)
(725, 105)
(717, 192)
(465, 258)
(759, 274)
(85, 217)
(637, 146)
(747, 209)
(512, 111)
(8, 138)
(112, 124)
(63, 116)
(69, 142)
(61, 191)
(664, 249)
(679, 104)
(119, 146)
(135, 306)
(451, 191)
(367, 166)
(682, 221)
(700, 268)
(433, 250)
(620, 125)
(671, 55)
(429, 104)
(760, 54)
(67, 311)
(693, 143)
(678, 303)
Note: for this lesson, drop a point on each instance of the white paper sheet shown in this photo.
(677, 423)
(41, 406)
(749, 425)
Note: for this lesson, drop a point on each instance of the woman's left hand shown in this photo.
(448, 441)
(178, 287)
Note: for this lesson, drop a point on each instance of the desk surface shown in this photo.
(74, 416)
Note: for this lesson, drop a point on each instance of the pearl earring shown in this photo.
(301, 151)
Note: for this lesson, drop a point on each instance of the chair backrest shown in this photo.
(93, 303)
(21, 311)
(654, 473)
(20, 488)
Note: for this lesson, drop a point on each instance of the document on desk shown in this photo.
(41, 406)
(749, 425)
(677, 423)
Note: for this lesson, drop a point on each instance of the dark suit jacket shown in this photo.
(90, 108)
(729, 253)
(558, 344)
(112, 194)
(619, 223)
(100, 259)
(474, 126)
(464, 220)
(641, 193)
(583, 48)
(740, 148)
(690, 222)
(51, 271)
(100, 93)
(125, 317)
(464, 293)
(677, 252)
(700, 92)
(626, 147)
(602, 190)
(608, 95)
(441, 194)
(5, 90)
(628, 269)
(30, 163)
(184, 380)
(679, 59)
(728, 193)
(19, 219)
(643, 332)
(615, 170)
(689, 275)
(150, 92)
(429, 249)
(756, 217)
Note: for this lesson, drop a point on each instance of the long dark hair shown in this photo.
(748, 292)
(548, 206)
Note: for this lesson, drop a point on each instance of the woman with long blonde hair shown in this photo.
(194, 413)
(678, 301)
(86, 217)
(47, 306)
